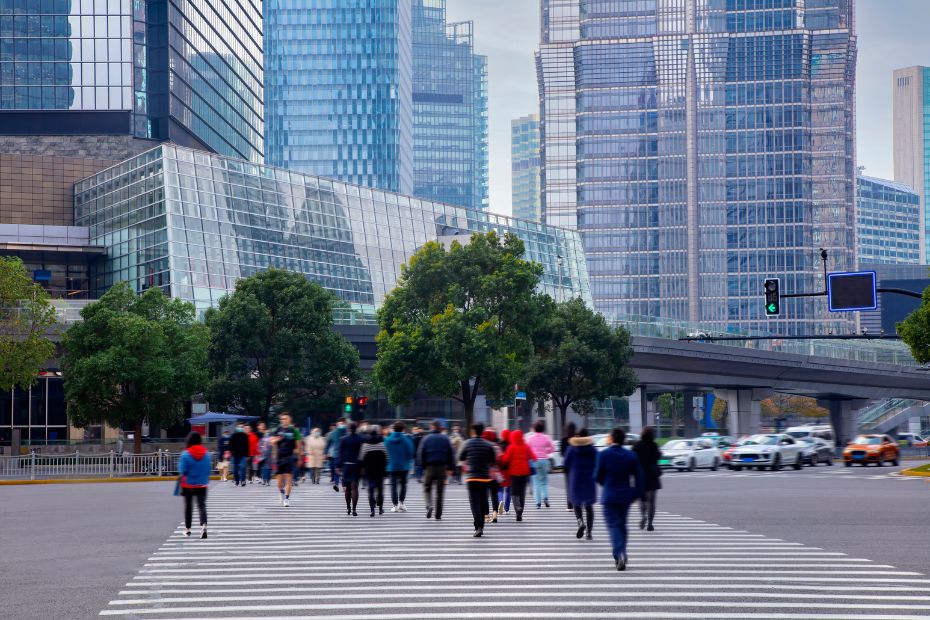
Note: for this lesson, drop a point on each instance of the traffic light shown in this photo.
(772, 297)
(349, 405)
(362, 404)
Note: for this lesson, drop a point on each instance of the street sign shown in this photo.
(520, 396)
(852, 291)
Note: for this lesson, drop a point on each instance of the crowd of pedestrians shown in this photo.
(498, 469)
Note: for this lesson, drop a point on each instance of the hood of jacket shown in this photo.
(516, 438)
(581, 441)
(198, 452)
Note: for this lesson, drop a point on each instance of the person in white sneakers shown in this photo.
(286, 438)
(399, 448)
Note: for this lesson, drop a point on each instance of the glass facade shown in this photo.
(192, 223)
(887, 222)
(189, 72)
(39, 412)
(912, 140)
(525, 167)
(701, 147)
(450, 105)
(339, 77)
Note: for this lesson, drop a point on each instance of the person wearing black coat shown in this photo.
(569, 432)
(350, 467)
(373, 458)
(580, 459)
(648, 452)
(238, 447)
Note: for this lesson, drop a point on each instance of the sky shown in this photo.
(892, 34)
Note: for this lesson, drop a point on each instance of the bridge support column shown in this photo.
(638, 409)
(844, 417)
(744, 414)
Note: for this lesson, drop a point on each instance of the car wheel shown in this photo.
(715, 465)
(776, 465)
(848, 463)
(895, 461)
(798, 463)
(736, 468)
(761, 467)
(813, 461)
(830, 461)
(679, 469)
(692, 465)
(881, 461)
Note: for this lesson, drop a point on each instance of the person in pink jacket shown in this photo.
(542, 446)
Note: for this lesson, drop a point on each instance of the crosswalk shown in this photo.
(311, 560)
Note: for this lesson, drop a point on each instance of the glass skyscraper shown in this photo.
(189, 72)
(339, 82)
(912, 140)
(887, 222)
(450, 104)
(525, 167)
(701, 147)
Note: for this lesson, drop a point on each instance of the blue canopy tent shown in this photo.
(214, 416)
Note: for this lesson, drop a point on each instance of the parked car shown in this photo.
(770, 450)
(600, 441)
(815, 450)
(867, 449)
(690, 454)
(820, 431)
(912, 440)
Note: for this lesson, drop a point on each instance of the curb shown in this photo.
(91, 480)
(915, 473)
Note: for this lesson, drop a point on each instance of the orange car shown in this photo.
(871, 449)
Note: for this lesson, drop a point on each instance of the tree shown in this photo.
(915, 330)
(670, 405)
(780, 405)
(25, 320)
(134, 358)
(578, 358)
(272, 341)
(459, 322)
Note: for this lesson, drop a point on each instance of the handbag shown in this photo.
(177, 486)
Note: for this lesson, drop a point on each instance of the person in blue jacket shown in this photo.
(400, 453)
(194, 468)
(619, 473)
(580, 459)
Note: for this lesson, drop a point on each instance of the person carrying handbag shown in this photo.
(194, 469)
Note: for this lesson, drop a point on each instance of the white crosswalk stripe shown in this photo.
(311, 560)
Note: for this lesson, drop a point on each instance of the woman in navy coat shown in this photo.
(580, 458)
(619, 473)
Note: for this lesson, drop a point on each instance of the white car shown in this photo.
(600, 441)
(690, 454)
(772, 450)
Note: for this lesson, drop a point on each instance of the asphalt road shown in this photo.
(70, 550)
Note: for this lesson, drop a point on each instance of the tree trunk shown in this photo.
(469, 406)
(560, 419)
(137, 438)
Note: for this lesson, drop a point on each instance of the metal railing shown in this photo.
(36, 466)
(876, 414)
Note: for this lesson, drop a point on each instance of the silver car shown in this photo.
(771, 450)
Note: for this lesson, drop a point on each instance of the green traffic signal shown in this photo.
(772, 308)
(772, 297)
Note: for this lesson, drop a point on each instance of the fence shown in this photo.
(35, 466)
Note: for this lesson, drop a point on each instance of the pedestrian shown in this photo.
(315, 450)
(194, 469)
(222, 455)
(264, 454)
(435, 459)
(618, 472)
(517, 461)
(649, 454)
(239, 449)
(418, 436)
(373, 458)
(286, 438)
(478, 455)
(253, 451)
(490, 435)
(580, 459)
(400, 454)
(503, 493)
(541, 445)
(569, 432)
(349, 468)
(457, 440)
(333, 444)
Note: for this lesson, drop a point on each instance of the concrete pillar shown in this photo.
(638, 410)
(844, 417)
(744, 415)
(692, 426)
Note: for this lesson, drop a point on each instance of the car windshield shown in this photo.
(799, 434)
(762, 440)
(678, 445)
(869, 441)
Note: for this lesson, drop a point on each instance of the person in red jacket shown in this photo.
(517, 461)
(253, 451)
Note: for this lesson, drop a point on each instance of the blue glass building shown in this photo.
(189, 72)
(339, 82)
(450, 103)
(701, 147)
(525, 167)
(887, 222)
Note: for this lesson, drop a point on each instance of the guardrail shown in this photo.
(36, 466)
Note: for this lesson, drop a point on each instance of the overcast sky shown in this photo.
(892, 34)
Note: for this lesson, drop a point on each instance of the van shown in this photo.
(820, 431)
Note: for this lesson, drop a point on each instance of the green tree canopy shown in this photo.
(272, 341)
(578, 358)
(25, 320)
(915, 330)
(134, 358)
(458, 323)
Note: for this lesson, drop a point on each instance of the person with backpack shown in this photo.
(400, 454)
(580, 458)
(518, 460)
(194, 469)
